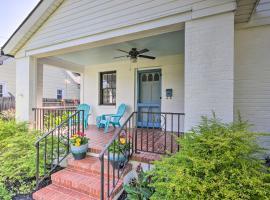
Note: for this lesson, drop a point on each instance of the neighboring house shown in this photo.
(210, 55)
(57, 83)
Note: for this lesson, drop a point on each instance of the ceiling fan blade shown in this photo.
(120, 57)
(149, 57)
(143, 51)
(122, 51)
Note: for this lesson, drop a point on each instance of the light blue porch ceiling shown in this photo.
(159, 45)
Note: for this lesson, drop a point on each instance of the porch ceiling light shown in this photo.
(133, 59)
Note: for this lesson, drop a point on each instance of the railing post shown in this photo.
(102, 178)
(37, 165)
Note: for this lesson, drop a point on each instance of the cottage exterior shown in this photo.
(210, 55)
(53, 80)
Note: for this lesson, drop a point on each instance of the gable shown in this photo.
(76, 19)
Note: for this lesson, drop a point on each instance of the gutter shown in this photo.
(4, 57)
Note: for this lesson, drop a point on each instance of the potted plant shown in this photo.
(119, 152)
(79, 145)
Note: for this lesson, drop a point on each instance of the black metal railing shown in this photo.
(115, 156)
(158, 132)
(53, 146)
(47, 118)
(154, 132)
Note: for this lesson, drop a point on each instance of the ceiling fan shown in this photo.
(133, 54)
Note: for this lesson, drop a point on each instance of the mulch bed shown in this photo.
(46, 182)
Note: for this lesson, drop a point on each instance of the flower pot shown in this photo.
(119, 159)
(79, 152)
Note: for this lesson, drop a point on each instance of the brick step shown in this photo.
(88, 184)
(92, 165)
(145, 157)
(60, 193)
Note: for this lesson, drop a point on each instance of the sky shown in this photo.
(12, 14)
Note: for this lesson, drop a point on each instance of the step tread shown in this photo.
(92, 165)
(85, 183)
(54, 192)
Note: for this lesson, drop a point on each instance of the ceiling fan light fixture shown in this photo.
(133, 59)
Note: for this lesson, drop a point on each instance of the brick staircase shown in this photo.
(79, 181)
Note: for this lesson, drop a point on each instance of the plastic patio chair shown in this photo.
(83, 116)
(104, 121)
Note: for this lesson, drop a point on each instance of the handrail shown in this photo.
(53, 146)
(153, 132)
(114, 136)
(57, 127)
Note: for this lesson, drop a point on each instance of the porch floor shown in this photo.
(151, 143)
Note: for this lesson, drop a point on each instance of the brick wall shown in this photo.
(209, 45)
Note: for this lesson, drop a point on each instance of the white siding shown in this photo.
(54, 78)
(8, 76)
(78, 19)
(172, 77)
(252, 76)
(209, 68)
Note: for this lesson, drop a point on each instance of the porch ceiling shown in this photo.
(159, 45)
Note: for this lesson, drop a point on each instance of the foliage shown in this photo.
(51, 120)
(8, 115)
(17, 157)
(139, 189)
(79, 139)
(216, 161)
(120, 145)
(4, 194)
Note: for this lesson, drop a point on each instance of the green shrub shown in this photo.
(17, 157)
(216, 161)
(4, 194)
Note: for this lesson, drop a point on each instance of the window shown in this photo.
(59, 94)
(1, 90)
(108, 88)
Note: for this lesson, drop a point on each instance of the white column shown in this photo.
(26, 87)
(209, 66)
(39, 94)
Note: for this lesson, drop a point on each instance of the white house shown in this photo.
(57, 83)
(170, 56)
(211, 55)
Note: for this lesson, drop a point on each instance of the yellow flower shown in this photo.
(122, 140)
(77, 144)
(78, 140)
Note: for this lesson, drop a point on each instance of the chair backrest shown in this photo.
(120, 111)
(85, 108)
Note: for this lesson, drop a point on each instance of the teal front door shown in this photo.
(149, 98)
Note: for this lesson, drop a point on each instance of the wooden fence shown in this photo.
(7, 103)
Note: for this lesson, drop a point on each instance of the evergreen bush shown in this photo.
(216, 161)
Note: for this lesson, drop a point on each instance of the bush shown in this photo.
(17, 157)
(216, 161)
(138, 188)
(8, 115)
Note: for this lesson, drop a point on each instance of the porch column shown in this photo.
(39, 94)
(209, 66)
(26, 88)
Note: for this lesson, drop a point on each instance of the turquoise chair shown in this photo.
(83, 118)
(104, 121)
